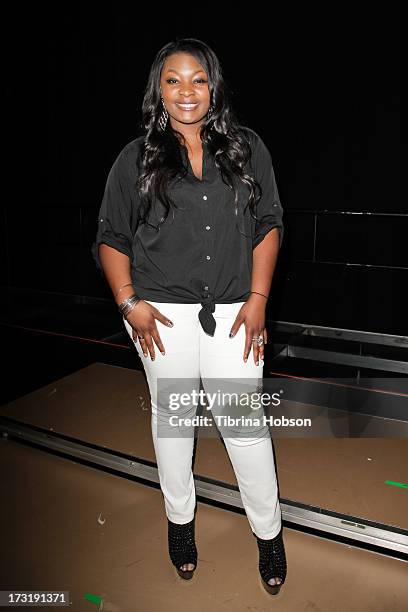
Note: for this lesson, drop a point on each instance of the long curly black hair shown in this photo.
(160, 159)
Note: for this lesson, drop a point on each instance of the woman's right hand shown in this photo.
(142, 319)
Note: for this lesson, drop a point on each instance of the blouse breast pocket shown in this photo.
(237, 211)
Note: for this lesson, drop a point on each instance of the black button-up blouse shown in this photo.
(202, 253)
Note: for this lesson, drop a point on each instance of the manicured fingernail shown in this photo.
(163, 353)
(169, 323)
(145, 354)
(245, 359)
(231, 335)
(257, 363)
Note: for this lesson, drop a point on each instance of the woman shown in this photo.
(188, 234)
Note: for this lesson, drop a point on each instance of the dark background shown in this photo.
(324, 91)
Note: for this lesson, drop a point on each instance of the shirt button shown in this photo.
(207, 227)
(101, 219)
(206, 287)
(208, 257)
(204, 197)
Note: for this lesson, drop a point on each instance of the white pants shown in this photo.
(192, 355)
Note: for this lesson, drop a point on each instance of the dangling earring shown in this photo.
(210, 111)
(163, 117)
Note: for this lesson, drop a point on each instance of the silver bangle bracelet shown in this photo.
(128, 304)
(125, 311)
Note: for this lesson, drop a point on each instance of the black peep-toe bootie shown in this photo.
(272, 562)
(182, 547)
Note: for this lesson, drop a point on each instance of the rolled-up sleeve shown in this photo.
(115, 213)
(269, 209)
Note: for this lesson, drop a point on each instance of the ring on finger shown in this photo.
(259, 340)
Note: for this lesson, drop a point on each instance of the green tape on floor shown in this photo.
(397, 484)
(93, 598)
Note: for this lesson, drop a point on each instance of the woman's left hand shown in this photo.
(252, 314)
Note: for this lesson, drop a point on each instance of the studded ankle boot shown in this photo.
(272, 562)
(182, 547)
